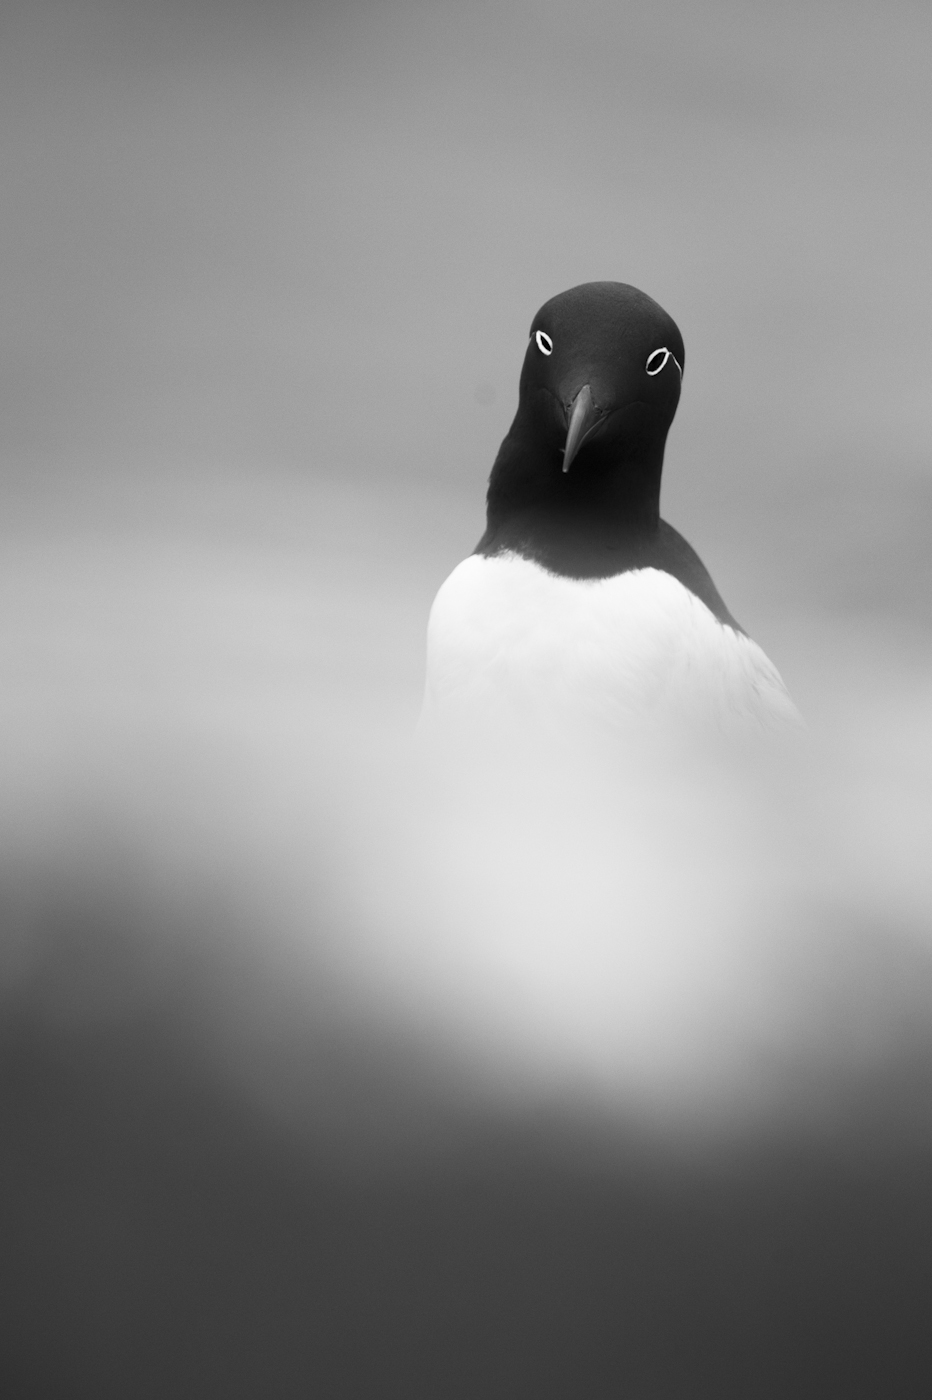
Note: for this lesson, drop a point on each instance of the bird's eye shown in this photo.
(544, 343)
(657, 360)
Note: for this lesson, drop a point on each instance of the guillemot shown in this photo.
(580, 607)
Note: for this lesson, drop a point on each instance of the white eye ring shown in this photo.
(544, 343)
(667, 355)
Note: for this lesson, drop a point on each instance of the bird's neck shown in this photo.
(594, 521)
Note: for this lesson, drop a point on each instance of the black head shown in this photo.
(599, 387)
(612, 340)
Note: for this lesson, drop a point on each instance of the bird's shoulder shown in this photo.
(603, 552)
(669, 552)
(505, 626)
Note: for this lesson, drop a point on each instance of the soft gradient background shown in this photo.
(299, 1098)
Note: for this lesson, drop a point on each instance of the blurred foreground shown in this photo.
(318, 1080)
(321, 1079)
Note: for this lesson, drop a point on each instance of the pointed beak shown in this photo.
(583, 416)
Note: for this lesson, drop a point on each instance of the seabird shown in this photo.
(580, 607)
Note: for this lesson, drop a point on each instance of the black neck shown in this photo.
(596, 520)
(600, 519)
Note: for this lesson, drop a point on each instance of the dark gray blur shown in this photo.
(305, 1089)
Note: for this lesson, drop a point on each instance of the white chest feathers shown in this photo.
(511, 645)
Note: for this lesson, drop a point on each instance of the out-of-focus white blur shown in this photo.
(209, 751)
(268, 275)
(323, 1071)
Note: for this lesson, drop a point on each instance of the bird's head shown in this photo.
(601, 377)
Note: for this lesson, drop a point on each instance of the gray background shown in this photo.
(266, 275)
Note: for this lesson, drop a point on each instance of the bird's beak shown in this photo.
(583, 416)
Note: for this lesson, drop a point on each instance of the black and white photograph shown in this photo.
(465, 700)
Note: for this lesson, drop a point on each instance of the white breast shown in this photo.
(510, 643)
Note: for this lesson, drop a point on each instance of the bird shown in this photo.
(581, 609)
